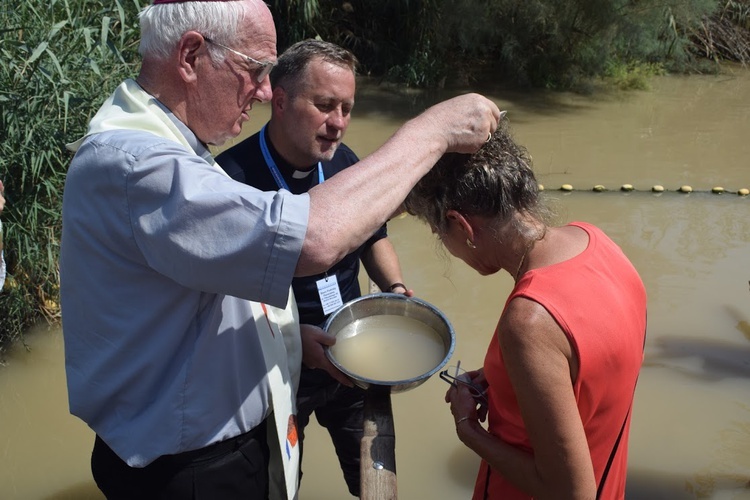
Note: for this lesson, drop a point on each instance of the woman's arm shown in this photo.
(541, 366)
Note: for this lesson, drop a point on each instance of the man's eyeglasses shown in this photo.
(265, 66)
(459, 376)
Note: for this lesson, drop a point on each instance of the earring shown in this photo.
(470, 243)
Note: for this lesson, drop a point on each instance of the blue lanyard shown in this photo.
(272, 164)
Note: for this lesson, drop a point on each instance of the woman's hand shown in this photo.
(463, 404)
(478, 404)
(477, 378)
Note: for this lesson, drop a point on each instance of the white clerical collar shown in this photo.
(301, 174)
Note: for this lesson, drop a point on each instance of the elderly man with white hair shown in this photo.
(181, 338)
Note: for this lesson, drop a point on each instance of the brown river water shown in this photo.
(690, 436)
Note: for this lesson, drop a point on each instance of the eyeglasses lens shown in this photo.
(264, 71)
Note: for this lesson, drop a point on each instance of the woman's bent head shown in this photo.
(496, 183)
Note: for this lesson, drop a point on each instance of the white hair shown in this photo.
(163, 25)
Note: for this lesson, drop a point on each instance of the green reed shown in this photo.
(58, 61)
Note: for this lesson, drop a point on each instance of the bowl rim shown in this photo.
(393, 296)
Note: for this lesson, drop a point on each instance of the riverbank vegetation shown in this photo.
(58, 61)
(61, 58)
(539, 43)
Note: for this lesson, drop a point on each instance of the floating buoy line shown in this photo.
(627, 188)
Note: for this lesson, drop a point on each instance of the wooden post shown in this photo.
(378, 446)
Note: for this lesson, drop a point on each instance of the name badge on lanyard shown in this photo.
(330, 295)
(328, 287)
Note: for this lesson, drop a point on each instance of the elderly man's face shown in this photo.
(227, 91)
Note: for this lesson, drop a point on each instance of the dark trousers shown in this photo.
(232, 469)
(340, 410)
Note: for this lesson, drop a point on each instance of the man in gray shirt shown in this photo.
(181, 337)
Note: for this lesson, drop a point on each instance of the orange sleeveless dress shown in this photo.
(599, 301)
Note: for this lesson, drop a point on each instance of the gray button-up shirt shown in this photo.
(160, 255)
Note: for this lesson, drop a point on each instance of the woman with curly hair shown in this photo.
(563, 361)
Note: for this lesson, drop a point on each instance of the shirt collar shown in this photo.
(198, 147)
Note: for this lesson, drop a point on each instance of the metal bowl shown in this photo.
(392, 304)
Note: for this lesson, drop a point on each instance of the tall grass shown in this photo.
(725, 35)
(59, 60)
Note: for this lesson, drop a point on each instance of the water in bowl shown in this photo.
(388, 348)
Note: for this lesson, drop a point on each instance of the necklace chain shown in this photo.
(523, 259)
(529, 246)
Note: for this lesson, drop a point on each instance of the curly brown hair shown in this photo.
(495, 182)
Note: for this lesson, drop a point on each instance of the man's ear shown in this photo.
(191, 45)
(279, 100)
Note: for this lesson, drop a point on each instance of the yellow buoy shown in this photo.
(541, 187)
(743, 192)
(717, 190)
(686, 189)
(599, 188)
(657, 189)
(566, 187)
(627, 187)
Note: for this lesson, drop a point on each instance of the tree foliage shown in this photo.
(531, 42)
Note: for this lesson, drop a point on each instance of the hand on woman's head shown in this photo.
(464, 121)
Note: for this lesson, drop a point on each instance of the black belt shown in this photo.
(216, 449)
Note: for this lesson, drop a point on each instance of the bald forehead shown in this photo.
(259, 31)
(258, 9)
